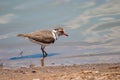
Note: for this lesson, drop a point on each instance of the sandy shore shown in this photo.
(74, 72)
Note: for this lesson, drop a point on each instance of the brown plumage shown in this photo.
(44, 37)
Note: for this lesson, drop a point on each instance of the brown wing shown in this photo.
(43, 36)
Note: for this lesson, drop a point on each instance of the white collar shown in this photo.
(55, 36)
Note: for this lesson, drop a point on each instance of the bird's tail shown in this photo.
(23, 35)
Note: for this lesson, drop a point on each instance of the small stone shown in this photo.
(32, 65)
(33, 71)
(53, 63)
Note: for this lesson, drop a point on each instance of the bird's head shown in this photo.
(60, 31)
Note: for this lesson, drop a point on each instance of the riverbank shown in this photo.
(101, 71)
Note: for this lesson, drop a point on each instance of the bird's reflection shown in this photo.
(42, 62)
(42, 59)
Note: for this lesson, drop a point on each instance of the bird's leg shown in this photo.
(43, 51)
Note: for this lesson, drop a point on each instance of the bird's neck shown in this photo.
(55, 35)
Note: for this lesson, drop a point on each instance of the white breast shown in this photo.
(55, 36)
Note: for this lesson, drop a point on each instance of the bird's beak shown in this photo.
(65, 34)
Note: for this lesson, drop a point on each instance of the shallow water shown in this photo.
(58, 55)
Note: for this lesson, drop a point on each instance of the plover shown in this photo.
(44, 37)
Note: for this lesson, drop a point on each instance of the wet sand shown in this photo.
(101, 71)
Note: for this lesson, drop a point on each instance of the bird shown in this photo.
(44, 37)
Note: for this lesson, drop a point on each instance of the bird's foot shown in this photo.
(45, 55)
